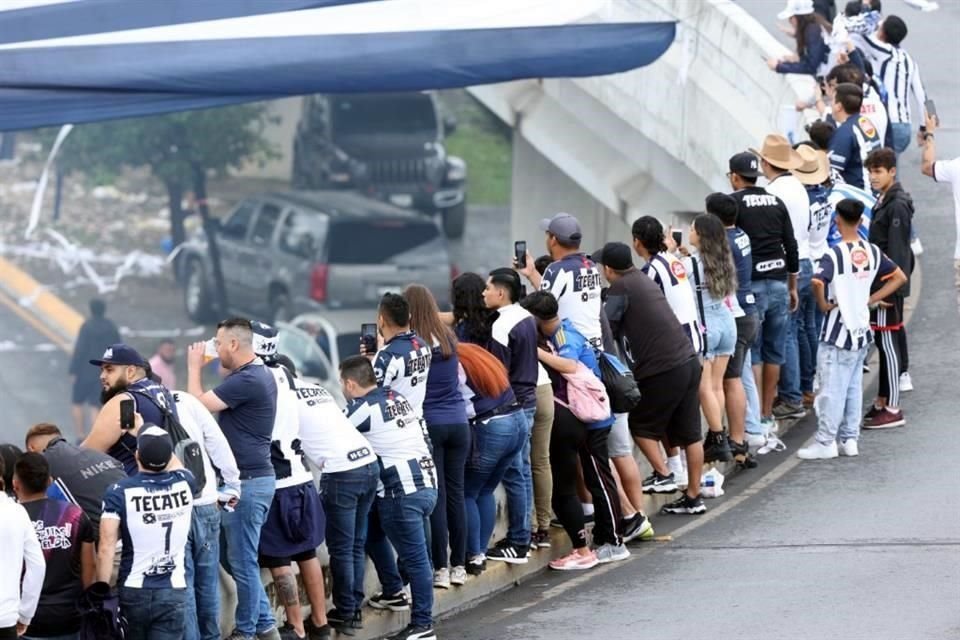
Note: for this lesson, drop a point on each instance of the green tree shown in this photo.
(181, 150)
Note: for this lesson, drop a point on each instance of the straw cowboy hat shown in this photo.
(815, 168)
(777, 151)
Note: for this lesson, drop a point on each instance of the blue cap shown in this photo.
(121, 354)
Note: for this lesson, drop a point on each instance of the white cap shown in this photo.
(796, 8)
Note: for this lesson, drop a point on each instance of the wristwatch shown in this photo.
(927, 136)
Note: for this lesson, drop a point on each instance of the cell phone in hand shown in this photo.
(127, 421)
(678, 238)
(520, 254)
(932, 110)
(368, 336)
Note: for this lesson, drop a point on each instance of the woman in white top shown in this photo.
(19, 552)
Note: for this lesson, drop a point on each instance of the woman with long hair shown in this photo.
(446, 418)
(715, 278)
(471, 320)
(813, 52)
(497, 429)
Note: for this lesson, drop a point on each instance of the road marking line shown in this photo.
(29, 318)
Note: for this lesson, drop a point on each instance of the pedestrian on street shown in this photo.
(96, 334)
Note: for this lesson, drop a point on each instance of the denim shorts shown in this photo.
(721, 330)
(773, 304)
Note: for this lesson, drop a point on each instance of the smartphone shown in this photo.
(368, 337)
(678, 238)
(932, 110)
(126, 414)
(520, 253)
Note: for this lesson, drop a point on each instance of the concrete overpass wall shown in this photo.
(651, 141)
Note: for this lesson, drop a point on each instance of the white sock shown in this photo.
(675, 464)
(588, 508)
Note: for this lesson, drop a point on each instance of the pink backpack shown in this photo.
(586, 396)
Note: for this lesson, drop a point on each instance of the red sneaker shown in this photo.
(886, 419)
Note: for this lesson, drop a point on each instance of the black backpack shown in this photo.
(619, 382)
(185, 448)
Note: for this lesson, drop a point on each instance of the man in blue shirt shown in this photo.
(150, 512)
(854, 138)
(407, 493)
(247, 403)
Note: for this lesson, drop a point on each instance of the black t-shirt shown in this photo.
(651, 338)
(62, 528)
(765, 218)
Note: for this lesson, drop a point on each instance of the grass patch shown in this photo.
(484, 143)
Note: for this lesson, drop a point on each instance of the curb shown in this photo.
(58, 316)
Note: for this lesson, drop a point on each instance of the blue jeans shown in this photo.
(902, 132)
(753, 397)
(153, 614)
(518, 485)
(840, 399)
(496, 443)
(241, 529)
(773, 307)
(404, 518)
(800, 362)
(448, 522)
(202, 607)
(347, 498)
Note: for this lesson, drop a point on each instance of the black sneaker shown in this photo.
(541, 538)
(287, 632)
(636, 526)
(556, 524)
(342, 623)
(656, 483)
(317, 633)
(415, 632)
(476, 565)
(715, 448)
(788, 410)
(396, 602)
(686, 505)
(741, 454)
(509, 553)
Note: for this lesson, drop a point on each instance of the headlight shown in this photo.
(456, 169)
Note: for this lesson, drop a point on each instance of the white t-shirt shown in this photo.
(288, 463)
(21, 548)
(949, 171)
(203, 428)
(327, 437)
(794, 196)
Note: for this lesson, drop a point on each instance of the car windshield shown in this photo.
(403, 114)
(377, 241)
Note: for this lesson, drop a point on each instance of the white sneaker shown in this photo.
(849, 448)
(458, 576)
(441, 578)
(756, 439)
(916, 246)
(612, 553)
(906, 382)
(817, 451)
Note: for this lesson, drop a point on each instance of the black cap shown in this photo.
(121, 354)
(154, 447)
(615, 255)
(745, 164)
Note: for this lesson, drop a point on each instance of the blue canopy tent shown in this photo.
(88, 60)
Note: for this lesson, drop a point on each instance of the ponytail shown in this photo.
(484, 372)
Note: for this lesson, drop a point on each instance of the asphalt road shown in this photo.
(850, 548)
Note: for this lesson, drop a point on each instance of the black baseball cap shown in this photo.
(615, 255)
(154, 447)
(121, 354)
(745, 164)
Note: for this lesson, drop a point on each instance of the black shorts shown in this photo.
(747, 327)
(669, 406)
(273, 562)
(86, 391)
(295, 523)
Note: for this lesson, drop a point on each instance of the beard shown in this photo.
(120, 386)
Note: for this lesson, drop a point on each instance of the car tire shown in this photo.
(281, 308)
(196, 292)
(455, 220)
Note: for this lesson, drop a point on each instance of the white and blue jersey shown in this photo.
(575, 282)
(821, 215)
(843, 191)
(403, 365)
(154, 511)
(850, 145)
(398, 435)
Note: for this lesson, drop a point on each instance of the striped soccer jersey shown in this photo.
(671, 276)
(900, 76)
(848, 270)
(843, 191)
(288, 463)
(575, 282)
(403, 365)
(398, 435)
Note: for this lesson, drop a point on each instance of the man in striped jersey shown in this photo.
(842, 284)
(855, 137)
(408, 487)
(899, 73)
